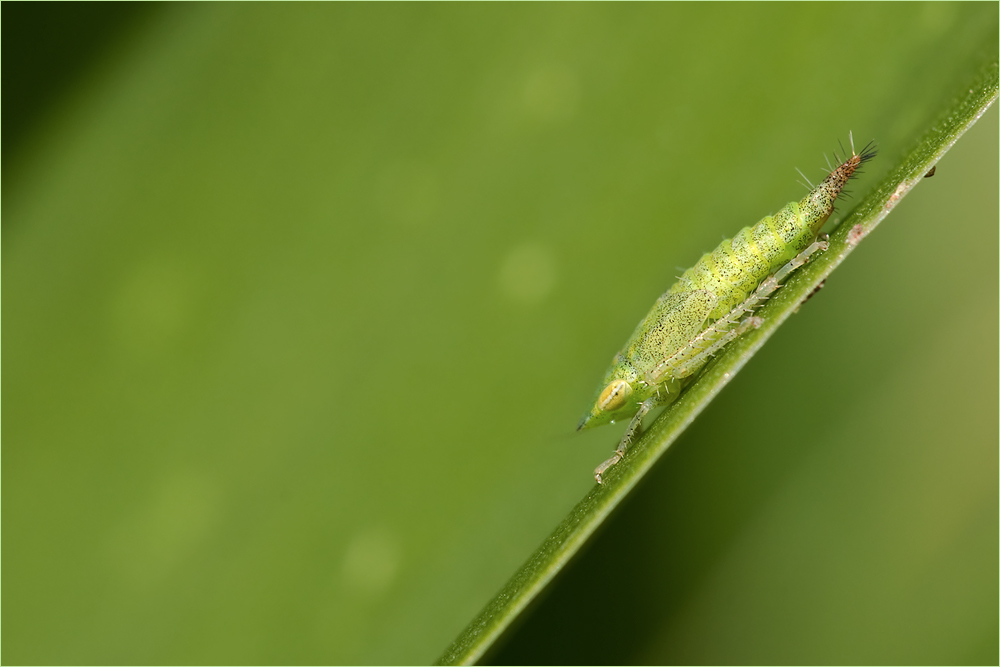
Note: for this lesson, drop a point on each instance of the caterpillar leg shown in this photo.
(774, 282)
(698, 360)
(688, 359)
(634, 429)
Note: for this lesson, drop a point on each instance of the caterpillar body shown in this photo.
(704, 310)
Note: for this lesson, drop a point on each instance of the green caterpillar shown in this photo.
(704, 310)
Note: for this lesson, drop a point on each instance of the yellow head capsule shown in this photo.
(614, 395)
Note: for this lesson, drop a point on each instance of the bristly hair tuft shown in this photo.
(854, 160)
(868, 152)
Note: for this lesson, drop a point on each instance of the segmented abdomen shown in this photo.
(734, 269)
(740, 264)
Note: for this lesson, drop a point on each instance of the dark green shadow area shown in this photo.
(48, 47)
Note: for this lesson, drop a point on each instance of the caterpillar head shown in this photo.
(616, 398)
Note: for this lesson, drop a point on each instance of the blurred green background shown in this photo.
(302, 303)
